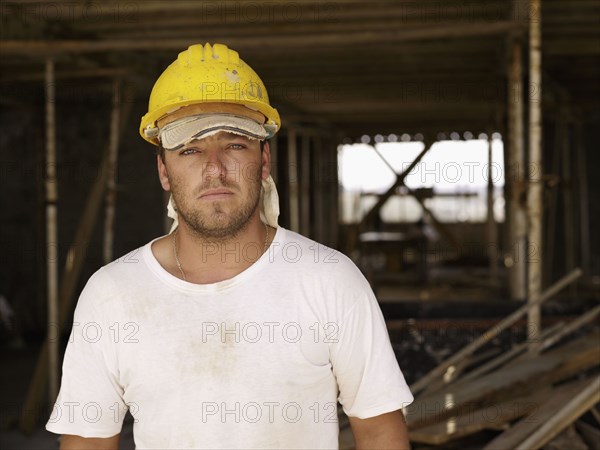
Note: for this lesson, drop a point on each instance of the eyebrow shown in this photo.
(227, 135)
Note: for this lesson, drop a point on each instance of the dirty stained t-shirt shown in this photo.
(256, 361)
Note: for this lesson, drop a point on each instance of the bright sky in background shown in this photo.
(449, 165)
(457, 167)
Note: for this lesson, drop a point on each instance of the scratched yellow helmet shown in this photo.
(212, 79)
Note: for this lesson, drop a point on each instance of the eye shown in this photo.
(236, 146)
(188, 151)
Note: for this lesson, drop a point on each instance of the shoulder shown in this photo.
(321, 262)
(114, 279)
(298, 248)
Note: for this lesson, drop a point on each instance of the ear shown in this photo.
(266, 161)
(163, 175)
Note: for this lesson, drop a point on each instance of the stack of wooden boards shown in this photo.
(530, 396)
(532, 392)
(543, 393)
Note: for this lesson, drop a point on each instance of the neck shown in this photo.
(205, 260)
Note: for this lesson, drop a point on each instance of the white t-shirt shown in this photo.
(256, 361)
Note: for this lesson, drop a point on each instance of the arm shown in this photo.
(72, 442)
(387, 431)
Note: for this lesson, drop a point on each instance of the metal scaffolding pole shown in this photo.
(516, 260)
(51, 234)
(111, 192)
(534, 194)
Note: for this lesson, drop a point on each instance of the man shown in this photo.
(230, 332)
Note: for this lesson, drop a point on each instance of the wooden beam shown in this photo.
(512, 380)
(565, 406)
(571, 327)
(53, 335)
(491, 229)
(269, 13)
(517, 214)
(305, 181)
(75, 257)
(13, 47)
(583, 201)
(535, 184)
(506, 357)
(294, 202)
(111, 188)
(81, 73)
(494, 416)
(590, 434)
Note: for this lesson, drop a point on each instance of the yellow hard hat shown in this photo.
(206, 75)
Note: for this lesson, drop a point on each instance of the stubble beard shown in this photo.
(212, 222)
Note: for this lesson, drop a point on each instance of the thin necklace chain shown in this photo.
(177, 256)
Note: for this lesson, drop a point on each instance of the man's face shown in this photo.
(216, 182)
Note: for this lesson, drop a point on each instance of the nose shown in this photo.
(214, 164)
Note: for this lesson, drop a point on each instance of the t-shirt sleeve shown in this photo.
(368, 375)
(90, 402)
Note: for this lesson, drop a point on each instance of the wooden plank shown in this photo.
(590, 434)
(596, 414)
(441, 31)
(492, 416)
(51, 183)
(505, 357)
(569, 413)
(551, 367)
(294, 201)
(305, 186)
(570, 328)
(534, 187)
(568, 439)
(111, 194)
(565, 405)
(452, 374)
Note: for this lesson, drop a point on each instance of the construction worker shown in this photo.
(231, 331)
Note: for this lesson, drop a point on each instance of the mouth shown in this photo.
(216, 194)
